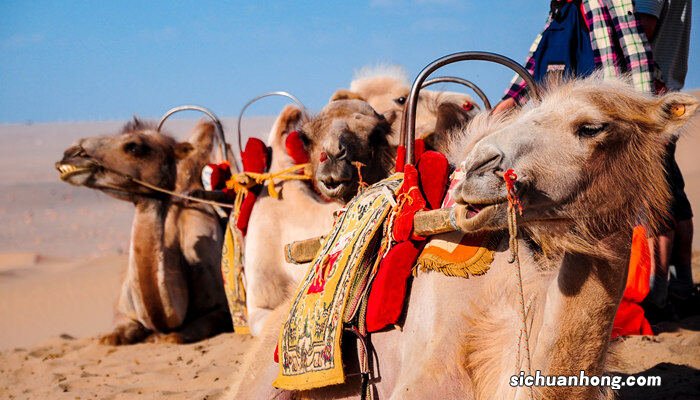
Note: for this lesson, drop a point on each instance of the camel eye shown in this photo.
(590, 130)
(400, 101)
(136, 149)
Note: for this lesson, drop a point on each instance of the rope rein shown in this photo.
(240, 183)
(515, 207)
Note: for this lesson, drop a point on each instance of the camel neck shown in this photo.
(583, 282)
(146, 263)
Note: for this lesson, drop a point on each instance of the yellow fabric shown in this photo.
(310, 340)
(232, 251)
(234, 277)
(459, 254)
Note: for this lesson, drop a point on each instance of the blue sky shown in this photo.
(108, 60)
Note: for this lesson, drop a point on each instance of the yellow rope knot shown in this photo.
(242, 182)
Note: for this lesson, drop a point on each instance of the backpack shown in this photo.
(565, 46)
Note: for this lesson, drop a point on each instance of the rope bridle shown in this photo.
(240, 183)
(515, 208)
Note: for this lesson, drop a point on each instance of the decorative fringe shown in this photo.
(479, 264)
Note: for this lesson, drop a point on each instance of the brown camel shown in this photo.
(589, 164)
(173, 290)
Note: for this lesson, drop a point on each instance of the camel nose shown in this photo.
(487, 159)
(340, 154)
(74, 151)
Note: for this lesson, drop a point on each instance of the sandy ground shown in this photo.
(62, 253)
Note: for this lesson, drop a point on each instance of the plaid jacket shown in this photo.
(618, 45)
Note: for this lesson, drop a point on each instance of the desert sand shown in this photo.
(63, 251)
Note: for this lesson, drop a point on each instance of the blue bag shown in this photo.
(565, 47)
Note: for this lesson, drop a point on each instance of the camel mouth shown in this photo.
(68, 171)
(474, 210)
(333, 188)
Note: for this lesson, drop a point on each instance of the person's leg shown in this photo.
(661, 247)
(681, 282)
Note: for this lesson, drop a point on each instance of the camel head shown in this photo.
(139, 151)
(344, 133)
(386, 89)
(588, 158)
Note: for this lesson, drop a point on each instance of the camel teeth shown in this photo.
(66, 169)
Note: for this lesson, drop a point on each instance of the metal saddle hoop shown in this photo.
(260, 97)
(463, 82)
(223, 153)
(408, 129)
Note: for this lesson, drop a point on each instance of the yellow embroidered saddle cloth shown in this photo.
(234, 277)
(330, 294)
(457, 253)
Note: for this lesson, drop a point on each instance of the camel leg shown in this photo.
(256, 319)
(127, 332)
(205, 326)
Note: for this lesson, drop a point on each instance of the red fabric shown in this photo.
(246, 210)
(400, 158)
(411, 200)
(276, 357)
(254, 157)
(295, 148)
(434, 173)
(220, 173)
(630, 319)
(384, 306)
(388, 292)
(418, 150)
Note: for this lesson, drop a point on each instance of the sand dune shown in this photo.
(62, 252)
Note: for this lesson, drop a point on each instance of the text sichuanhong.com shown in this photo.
(582, 379)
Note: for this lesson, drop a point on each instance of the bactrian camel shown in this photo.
(386, 89)
(588, 157)
(346, 131)
(173, 289)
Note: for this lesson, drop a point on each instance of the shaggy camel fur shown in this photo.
(346, 131)
(589, 162)
(386, 88)
(173, 289)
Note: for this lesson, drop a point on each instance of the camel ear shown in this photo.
(288, 120)
(344, 94)
(183, 149)
(676, 109)
(203, 135)
(449, 117)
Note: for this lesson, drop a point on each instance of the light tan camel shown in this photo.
(589, 161)
(386, 88)
(173, 289)
(346, 131)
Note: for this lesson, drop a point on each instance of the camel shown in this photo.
(270, 279)
(386, 88)
(345, 131)
(589, 162)
(173, 289)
